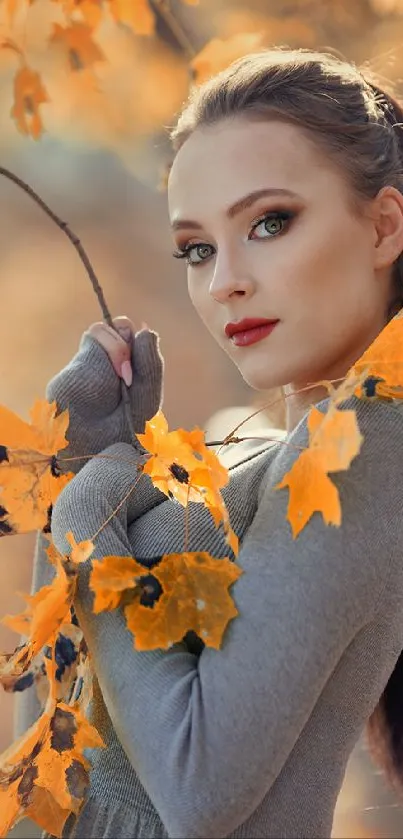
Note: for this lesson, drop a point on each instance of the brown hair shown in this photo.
(359, 125)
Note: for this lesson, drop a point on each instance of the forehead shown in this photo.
(220, 163)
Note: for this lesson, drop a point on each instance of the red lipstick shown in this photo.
(249, 330)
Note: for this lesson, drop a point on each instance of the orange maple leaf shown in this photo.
(181, 592)
(172, 463)
(383, 361)
(29, 94)
(30, 480)
(29, 784)
(45, 613)
(77, 40)
(110, 577)
(334, 441)
(184, 468)
(135, 13)
(208, 479)
(217, 54)
(14, 763)
(91, 10)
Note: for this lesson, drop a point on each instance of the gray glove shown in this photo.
(92, 391)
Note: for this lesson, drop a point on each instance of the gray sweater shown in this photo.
(251, 740)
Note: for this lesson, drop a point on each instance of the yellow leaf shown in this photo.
(44, 774)
(45, 811)
(110, 576)
(135, 13)
(383, 360)
(183, 467)
(185, 591)
(334, 441)
(10, 807)
(30, 480)
(77, 40)
(86, 735)
(91, 10)
(29, 94)
(16, 770)
(46, 611)
(81, 551)
(172, 461)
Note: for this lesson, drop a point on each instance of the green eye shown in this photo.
(203, 251)
(272, 223)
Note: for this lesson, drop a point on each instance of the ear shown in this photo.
(388, 226)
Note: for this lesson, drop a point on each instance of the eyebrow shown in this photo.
(238, 207)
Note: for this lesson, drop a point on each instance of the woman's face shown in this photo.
(299, 255)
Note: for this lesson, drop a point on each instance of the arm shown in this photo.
(91, 390)
(206, 715)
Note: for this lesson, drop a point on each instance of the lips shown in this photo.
(246, 324)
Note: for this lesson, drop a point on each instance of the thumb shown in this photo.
(125, 327)
(115, 345)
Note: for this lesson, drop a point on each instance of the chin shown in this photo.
(263, 379)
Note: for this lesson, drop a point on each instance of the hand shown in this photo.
(90, 387)
(117, 346)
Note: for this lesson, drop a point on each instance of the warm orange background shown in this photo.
(97, 166)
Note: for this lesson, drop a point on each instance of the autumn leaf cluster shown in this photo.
(83, 54)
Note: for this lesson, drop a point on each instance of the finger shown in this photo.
(124, 326)
(147, 359)
(118, 350)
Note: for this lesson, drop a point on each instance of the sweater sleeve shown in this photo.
(300, 602)
(92, 392)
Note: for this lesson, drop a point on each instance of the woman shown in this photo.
(285, 198)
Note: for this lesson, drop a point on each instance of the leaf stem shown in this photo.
(187, 522)
(97, 455)
(230, 437)
(128, 493)
(268, 439)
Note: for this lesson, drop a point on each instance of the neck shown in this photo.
(299, 401)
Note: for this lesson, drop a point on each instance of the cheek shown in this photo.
(325, 268)
(201, 300)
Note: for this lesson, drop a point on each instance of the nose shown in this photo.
(229, 279)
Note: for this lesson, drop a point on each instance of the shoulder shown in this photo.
(367, 546)
(266, 441)
(380, 424)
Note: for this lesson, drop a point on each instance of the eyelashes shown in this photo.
(285, 216)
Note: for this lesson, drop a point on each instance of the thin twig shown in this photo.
(98, 455)
(164, 9)
(91, 273)
(254, 437)
(128, 493)
(187, 522)
(230, 438)
(69, 233)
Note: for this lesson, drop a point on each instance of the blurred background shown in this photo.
(99, 161)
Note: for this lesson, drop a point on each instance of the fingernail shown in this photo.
(126, 333)
(127, 373)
